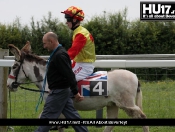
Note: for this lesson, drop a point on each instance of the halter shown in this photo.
(16, 84)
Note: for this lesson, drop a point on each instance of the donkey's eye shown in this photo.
(14, 66)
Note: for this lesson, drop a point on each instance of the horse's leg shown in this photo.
(139, 104)
(135, 111)
(112, 113)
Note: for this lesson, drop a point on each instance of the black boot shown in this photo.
(56, 127)
(53, 128)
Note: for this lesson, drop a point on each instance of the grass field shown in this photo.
(158, 102)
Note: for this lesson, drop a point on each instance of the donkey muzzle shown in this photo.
(15, 85)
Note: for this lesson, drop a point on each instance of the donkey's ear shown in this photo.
(27, 47)
(15, 51)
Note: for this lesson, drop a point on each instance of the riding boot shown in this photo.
(56, 127)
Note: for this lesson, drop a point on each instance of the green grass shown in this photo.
(158, 102)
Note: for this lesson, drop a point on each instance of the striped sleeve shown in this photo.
(77, 44)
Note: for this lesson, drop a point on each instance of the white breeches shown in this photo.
(82, 70)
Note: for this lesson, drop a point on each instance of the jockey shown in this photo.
(82, 51)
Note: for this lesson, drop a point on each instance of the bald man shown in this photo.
(61, 82)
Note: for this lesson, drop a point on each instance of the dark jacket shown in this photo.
(60, 74)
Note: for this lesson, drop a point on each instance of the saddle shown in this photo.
(94, 85)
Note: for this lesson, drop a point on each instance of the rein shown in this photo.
(45, 78)
(17, 84)
(29, 89)
(35, 90)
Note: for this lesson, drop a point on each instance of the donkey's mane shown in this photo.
(31, 57)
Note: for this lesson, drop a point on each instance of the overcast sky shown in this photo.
(25, 9)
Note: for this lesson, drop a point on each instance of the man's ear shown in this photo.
(27, 47)
(15, 51)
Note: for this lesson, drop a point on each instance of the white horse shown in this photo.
(123, 86)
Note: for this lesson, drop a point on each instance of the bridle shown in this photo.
(15, 84)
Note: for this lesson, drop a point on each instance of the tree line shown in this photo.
(113, 33)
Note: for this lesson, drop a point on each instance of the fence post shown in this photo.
(3, 89)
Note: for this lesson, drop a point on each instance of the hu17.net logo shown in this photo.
(163, 10)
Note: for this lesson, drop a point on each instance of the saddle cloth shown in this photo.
(94, 85)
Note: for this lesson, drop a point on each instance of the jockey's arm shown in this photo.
(77, 44)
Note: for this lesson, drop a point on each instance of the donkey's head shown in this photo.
(25, 66)
(17, 73)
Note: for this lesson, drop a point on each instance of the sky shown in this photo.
(25, 9)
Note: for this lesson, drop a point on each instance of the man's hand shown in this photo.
(78, 97)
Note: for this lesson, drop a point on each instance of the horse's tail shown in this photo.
(139, 96)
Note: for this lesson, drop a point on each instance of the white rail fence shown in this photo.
(103, 61)
(119, 61)
(124, 57)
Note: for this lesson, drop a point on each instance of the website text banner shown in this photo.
(88, 122)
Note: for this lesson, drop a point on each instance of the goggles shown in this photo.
(69, 19)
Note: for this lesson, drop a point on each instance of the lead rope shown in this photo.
(9, 127)
(45, 79)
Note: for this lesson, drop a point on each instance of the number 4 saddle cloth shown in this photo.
(94, 85)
